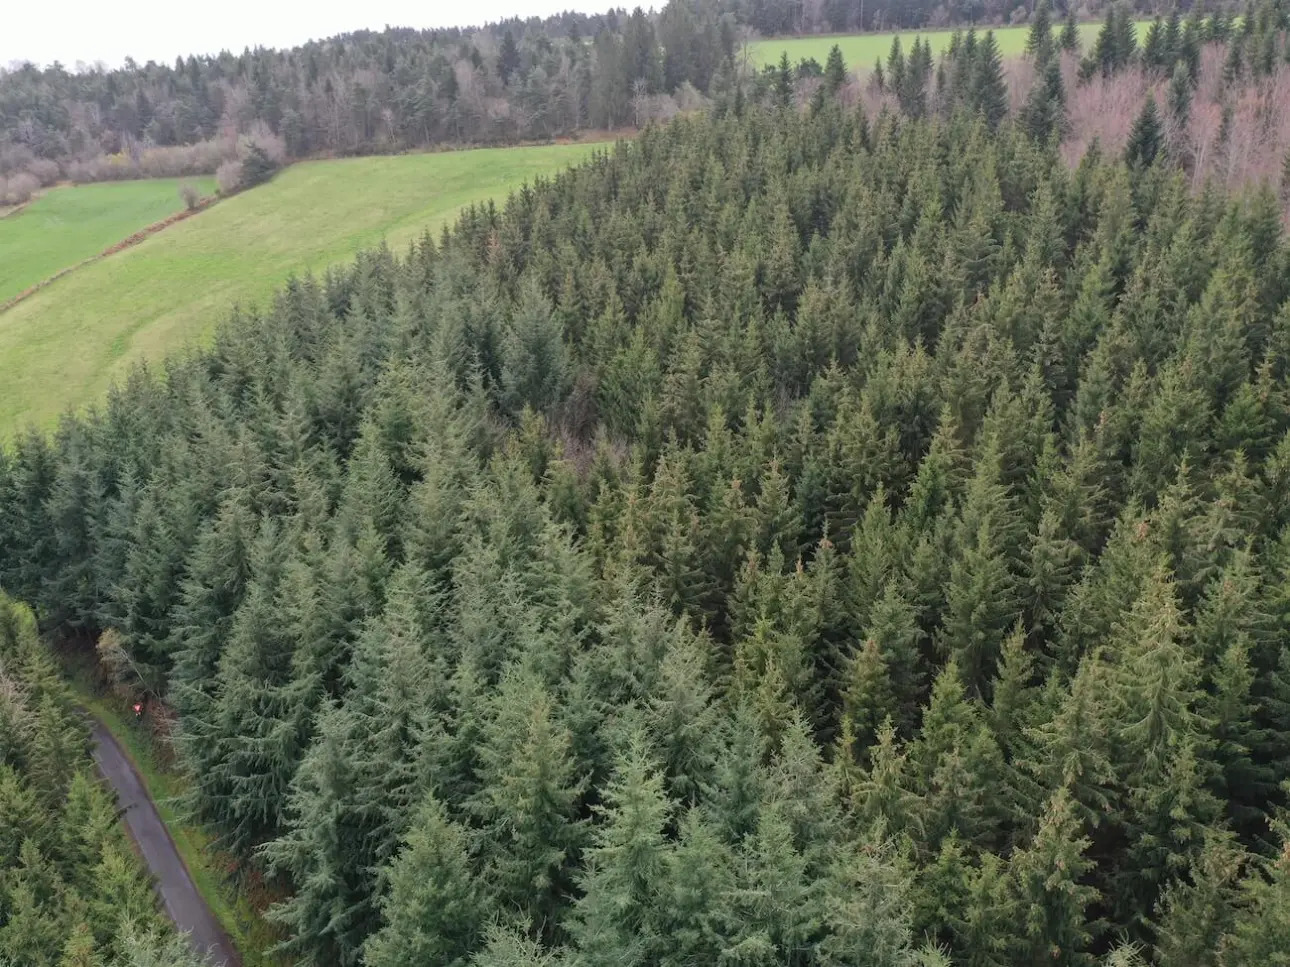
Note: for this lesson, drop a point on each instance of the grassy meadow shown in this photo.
(861, 50)
(64, 345)
(69, 224)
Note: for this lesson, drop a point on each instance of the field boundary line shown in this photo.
(125, 243)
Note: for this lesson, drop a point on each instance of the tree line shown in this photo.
(1206, 91)
(401, 89)
(365, 92)
(773, 18)
(795, 537)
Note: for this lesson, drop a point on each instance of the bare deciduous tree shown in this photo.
(228, 177)
(19, 188)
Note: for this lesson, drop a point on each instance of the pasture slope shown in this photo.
(861, 50)
(62, 347)
(69, 224)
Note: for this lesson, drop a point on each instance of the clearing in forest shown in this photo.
(861, 50)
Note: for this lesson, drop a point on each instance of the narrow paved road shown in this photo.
(178, 894)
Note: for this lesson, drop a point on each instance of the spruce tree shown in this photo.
(433, 911)
(530, 787)
(1199, 908)
(987, 92)
(1179, 99)
(1044, 113)
(1261, 932)
(784, 81)
(835, 71)
(1039, 38)
(697, 890)
(1068, 39)
(866, 909)
(1146, 140)
(1047, 879)
(534, 357)
(508, 58)
(615, 920)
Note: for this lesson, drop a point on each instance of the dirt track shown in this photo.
(182, 902)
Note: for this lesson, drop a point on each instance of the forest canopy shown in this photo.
(797, 537)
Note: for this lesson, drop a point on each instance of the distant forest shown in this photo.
(401, 89)
(367, 92)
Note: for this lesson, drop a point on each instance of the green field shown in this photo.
(67, 225)
(861, 50)
(63, 346)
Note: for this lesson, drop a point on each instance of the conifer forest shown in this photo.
(823, 531)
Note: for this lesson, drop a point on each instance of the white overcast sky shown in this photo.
(93, 30)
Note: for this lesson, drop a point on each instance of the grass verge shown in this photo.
(211, 871)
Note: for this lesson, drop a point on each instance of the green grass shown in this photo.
(861, 50)
(62, 347)
(248, 930)
(70, 224)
